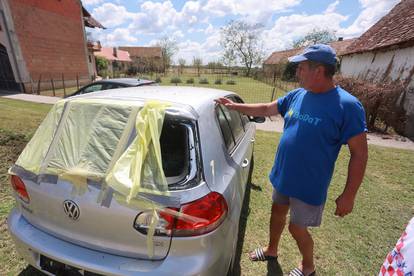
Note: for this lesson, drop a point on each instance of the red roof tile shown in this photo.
(147, 52)
(395, 28)
(108, 53)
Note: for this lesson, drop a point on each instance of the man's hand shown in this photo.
(226, 102)
(261, 109)
(344, 205)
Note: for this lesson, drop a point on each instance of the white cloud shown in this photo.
(91, 2)
(332, 7)
(178, 34)
(252, 10)
(373, 10)
(191, 7)
(208, 51)
(288, 28)
(119, 36)
(209, 29)
(111, 15)
(155, 17)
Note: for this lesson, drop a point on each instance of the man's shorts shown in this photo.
(301, 213)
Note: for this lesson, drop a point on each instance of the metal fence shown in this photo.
(251, 89)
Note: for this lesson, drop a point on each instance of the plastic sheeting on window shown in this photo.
(139, 169)
(35, 151)
(89, 139)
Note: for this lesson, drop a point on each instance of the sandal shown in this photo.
(260, 256)
(298, 272)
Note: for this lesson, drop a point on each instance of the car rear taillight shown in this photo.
(20, 188)
(195, 218)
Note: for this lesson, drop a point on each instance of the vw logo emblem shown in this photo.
(71, 209)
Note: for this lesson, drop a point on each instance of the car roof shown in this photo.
(195, 97)
(128, 81)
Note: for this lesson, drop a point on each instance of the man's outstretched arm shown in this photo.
(356, 168)
(261, 109)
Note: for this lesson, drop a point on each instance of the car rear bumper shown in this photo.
(207, 255)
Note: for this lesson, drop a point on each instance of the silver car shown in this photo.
(207, 158)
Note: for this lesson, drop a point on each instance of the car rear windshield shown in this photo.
(90, 135)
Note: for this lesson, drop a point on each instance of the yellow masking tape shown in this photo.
(142, 159)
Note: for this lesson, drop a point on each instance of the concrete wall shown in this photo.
(391, 65)
(51, 37)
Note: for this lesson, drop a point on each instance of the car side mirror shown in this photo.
(257, 119)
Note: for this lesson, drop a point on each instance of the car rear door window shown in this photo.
(112, 86)
(244, 118)
(92, 88)
(236, 126)
(225, 128)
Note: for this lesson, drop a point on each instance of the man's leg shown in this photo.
(280, 208)
(302, 216)
(277, 224)
(305, 243)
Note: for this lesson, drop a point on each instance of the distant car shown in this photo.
(107, 84)
(207, 158)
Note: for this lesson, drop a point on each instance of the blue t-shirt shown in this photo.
(316, 125)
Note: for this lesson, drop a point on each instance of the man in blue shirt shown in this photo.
(318, 119)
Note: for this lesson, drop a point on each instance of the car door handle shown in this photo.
(245, 163)
(252, 140)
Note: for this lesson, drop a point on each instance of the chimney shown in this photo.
(115, 52)
(340, 38)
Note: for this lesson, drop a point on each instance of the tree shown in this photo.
(197, 63)
(181, 62)
(229, 58)
(168, 49)
(101, 63)
(315, 36)
(101, 66)
(242, 41)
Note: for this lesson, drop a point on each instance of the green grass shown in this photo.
(354, 245)
(251, 91)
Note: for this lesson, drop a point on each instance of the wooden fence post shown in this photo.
(31, 85)
(63, 82)
(53, 87)
(273, 94)
(38, 84)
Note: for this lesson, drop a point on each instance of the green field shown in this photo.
(252, 91)
(354, 245)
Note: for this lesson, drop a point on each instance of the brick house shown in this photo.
(385, 52)
(43, 40)
(145, 59)
(118, 60)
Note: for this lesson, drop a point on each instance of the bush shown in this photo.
(380, 101)
(190, 81)
(218, 81)
(175, 80)
(203, 81)
(158, 80)
(231, 82)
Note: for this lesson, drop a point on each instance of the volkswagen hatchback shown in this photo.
(73, 214)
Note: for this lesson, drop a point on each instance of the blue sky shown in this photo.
(195, 25)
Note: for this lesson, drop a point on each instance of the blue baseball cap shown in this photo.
(319, 52)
